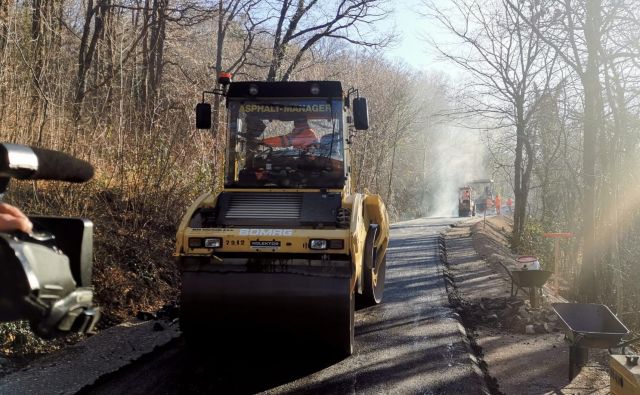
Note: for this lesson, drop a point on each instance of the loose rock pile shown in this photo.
(514, 314)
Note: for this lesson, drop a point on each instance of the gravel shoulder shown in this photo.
(523, 349)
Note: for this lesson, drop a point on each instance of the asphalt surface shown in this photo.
(411, 343)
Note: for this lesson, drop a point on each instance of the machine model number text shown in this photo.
(265, 244)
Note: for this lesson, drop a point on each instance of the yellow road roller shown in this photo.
(286, 249)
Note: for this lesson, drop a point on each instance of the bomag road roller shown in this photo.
(286, 248)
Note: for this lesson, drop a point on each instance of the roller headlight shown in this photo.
(210, 242)
(318, 244)
(214, 242)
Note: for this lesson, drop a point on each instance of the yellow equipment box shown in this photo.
(624, 374)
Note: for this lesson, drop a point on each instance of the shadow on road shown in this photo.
(249, 371)
(243, 369)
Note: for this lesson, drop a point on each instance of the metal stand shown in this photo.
(578, 357)
(534, 298)
(531, 282)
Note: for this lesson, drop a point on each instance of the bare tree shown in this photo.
(507, 62)
(91, 33)
(574, 31)
(230, 14)
(302, 24)
(617, 153)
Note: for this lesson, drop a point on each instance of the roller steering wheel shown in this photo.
(265, 149)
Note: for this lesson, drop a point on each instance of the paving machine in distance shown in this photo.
(484, 194)
(286, 248)
(466, 204)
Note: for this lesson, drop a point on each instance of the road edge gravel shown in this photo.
(478, 258)
(489, 383)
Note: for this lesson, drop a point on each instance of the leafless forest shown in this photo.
(550, 86)
(555, 84)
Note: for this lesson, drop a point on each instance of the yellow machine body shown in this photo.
(365, 209)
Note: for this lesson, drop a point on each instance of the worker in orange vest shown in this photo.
(498, 202)
(302, 136)
(509, 204)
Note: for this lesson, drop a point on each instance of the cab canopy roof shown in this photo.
(482, 181)
(308, 89)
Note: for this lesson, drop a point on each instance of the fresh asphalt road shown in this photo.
(409, 344)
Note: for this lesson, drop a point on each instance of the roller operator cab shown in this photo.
(286, 248)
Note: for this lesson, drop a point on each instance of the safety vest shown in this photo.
(298, 138)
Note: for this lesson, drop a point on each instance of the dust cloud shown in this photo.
(459, 157)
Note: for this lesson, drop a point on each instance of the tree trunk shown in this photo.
(520, 190)
(219, 56)
(4, 23)
(156, 54)
(588, 286)
(37, 50)
(279, 46)
(87, 50)
(618, 102)
(144, 70)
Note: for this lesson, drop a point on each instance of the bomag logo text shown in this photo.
(266, 232)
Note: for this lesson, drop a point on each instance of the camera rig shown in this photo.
(45, 276)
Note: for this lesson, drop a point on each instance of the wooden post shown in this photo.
(556, 265)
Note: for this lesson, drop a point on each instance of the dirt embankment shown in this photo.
(522, 348)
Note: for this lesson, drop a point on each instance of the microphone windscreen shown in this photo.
(55, 165)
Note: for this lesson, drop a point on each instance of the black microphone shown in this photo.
(30, 163)
(56, 165)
